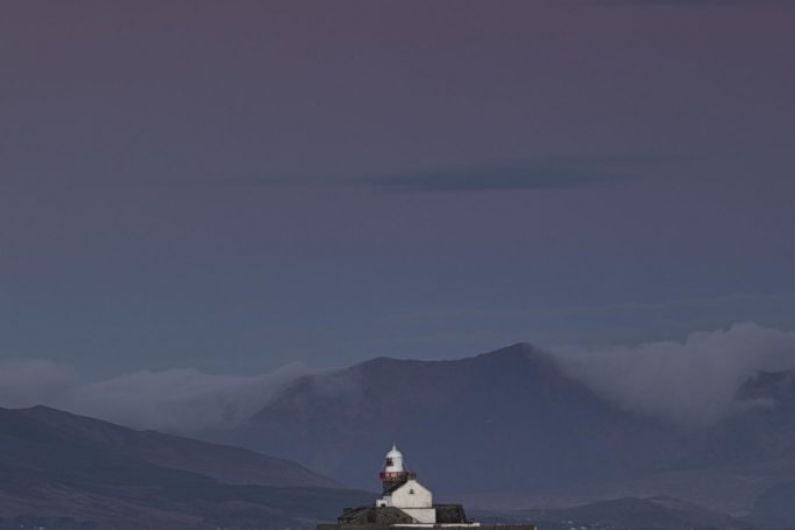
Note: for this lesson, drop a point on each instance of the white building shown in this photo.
(406, 504)
(402, 491)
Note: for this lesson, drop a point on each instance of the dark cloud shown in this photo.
(543, 173)
(553, 173)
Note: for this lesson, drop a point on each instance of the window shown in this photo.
(411, 492)
(389, 462)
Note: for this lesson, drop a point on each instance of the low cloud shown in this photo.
(181, 400)
(177, 400)
(691, 382)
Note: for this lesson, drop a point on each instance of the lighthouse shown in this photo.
(402, 491)
(406, 504)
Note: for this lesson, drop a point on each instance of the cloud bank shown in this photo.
(691, 382)
(177, 400)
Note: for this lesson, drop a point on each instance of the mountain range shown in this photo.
(500, 431)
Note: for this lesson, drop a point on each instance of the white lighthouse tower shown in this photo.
(394, 473)
(402, 491)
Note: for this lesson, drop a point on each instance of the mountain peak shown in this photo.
(520, 351)
(519, 354)
(516, 350)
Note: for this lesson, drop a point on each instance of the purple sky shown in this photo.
(233, 186)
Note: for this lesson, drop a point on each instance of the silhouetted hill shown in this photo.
(64, 471)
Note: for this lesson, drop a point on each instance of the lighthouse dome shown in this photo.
(394, 452)
(394, 461)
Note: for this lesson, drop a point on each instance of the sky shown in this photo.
(234, 187)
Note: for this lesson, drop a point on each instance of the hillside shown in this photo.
(65, 471)
(226, 463)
